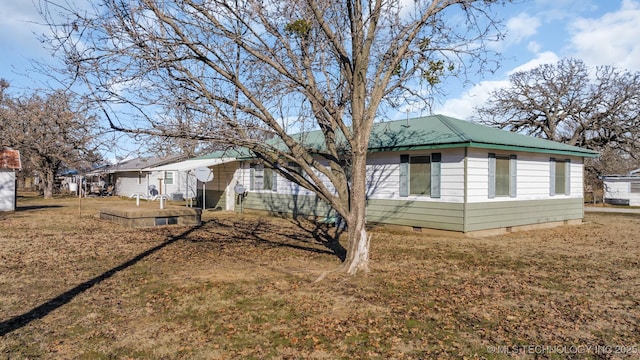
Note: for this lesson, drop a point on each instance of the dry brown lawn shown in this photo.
(242, 287)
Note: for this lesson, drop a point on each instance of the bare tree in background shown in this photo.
(51, 132)
(255, 70)
(566, 102)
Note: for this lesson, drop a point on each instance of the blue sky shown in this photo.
(600, 32)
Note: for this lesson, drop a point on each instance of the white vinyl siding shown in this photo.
(532, 176)
(7, 190)
(383, 176)
(622, 189)
(247, 177)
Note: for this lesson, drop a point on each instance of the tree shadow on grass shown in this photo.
(43, 310)
(36, 207)
(305, 236)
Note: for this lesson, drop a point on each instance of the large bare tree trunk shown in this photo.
(240, 67)
(358, 246)
(48, 185)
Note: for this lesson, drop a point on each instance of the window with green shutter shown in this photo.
(262, 178)
(420, 175)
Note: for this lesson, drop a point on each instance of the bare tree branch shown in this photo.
(255, 72)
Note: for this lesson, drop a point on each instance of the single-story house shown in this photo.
(434, 172)
(9, 163)
(134, 176)
(622, 189)
(218, 192)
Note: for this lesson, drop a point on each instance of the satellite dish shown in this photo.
(239, 189)
(203, 174)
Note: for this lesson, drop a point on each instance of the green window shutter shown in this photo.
(513, 163)
(436, 168)
(552, 176)
(404, 175)
(252, 174)
(567, 177)
(492, 175)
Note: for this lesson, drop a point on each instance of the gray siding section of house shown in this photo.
(296, 205)
(426, 214)
(493, 215)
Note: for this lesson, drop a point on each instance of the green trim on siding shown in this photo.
(426, 214)
(500, 214)
(274, 203)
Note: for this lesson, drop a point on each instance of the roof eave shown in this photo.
(585, 153)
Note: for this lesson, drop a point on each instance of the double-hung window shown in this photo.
(502, 175)
(262, 178)
(420, 175)
(559, 179)
(168, 177)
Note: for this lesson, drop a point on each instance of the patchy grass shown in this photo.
(242, 286)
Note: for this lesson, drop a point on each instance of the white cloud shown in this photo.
(520, 27)
(534, 47)
(546, 57)
(517, 29)
(561, 10)
(464, 106)
(611, 39)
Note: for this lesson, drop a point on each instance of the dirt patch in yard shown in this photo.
(242, 286)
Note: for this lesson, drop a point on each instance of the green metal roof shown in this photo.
(239, 153)
(439, 131)
(433, 132)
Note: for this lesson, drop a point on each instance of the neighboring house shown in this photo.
(622, 189)
(219, 191)
(9, 163)
(435, 172)
(134, 176)
(68, 181)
